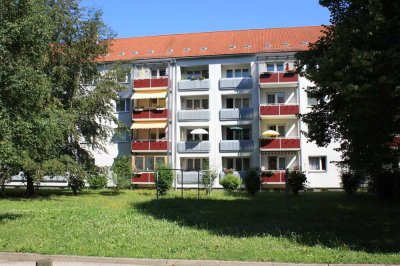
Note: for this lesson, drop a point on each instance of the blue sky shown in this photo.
(144, 17)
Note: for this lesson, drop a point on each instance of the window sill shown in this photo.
(317, 171)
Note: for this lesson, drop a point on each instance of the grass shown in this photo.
(316, 228)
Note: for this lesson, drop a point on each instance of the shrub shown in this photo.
(351, 181)
(122, 172)
(297, 181)
(208, 179)
(230, 182)
(252, 181)
(165, 178)
(385, 184)
(97, 181)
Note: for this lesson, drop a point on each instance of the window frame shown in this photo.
(322, 160)
(234, 72)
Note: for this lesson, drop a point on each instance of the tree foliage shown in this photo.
(122, 172)
(47, 49)
(355, 68)
(165, 178)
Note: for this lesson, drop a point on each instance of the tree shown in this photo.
(165, 178)
(122, 172)
(48, 48)
(355, 68)
(252, 181)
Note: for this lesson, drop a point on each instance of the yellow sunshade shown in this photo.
(148, 124)
(153, 94)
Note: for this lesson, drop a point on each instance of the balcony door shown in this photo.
(276, 163)
(279, 128)
(276, 98)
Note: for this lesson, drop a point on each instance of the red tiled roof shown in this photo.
(213, 43)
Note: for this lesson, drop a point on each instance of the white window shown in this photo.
(194, 104)
(275, 67)
(317, 163)
(239, 164)
(279, 128)
(147, 163)
(196, 137)
(123, 105)
(311, 101)
(158, 73)
(197, 164)
(276, 98)
(276, 163)
(195, 74)
(237, 73)
(232, 103)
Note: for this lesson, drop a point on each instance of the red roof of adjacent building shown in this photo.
(213, 43)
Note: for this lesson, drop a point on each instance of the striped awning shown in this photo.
(148, 124)
(279, 153)
(151, 94)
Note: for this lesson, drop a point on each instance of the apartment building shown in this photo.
(217, 100)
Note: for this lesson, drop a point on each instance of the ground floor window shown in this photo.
(239, 164)
(196, 164)
(147, 163)
(317, 163)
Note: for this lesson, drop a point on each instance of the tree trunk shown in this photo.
(30, 189)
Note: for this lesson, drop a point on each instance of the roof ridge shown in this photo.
(200, 32)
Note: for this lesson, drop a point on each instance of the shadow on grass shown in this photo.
(9, 216)
(18, 194)
(334, 220)
(111, 193)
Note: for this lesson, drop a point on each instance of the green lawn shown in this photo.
(316, 228)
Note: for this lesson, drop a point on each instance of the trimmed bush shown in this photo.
(165, 178)
(122, 172)
(297, 181)
(351, 181)
(230, 182)
(252, 181)
(97, 181)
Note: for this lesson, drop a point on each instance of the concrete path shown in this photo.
(26, 259)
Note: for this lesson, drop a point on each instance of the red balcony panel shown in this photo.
(146, 114)
(158, 145)
(143, 178)
(150, 83)
(289, 109)
(279, 77)
(269, 110)
(279, 176)
(280, 143)
(149, 145)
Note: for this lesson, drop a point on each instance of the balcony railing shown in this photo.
(236, 145)
(150, 83)
(143, 177)
(189, 177)
(194, 115)
(193, 146)
(236, 114)
(149, 145)
(280, 143)
(277, 177)
(235, 83)
(194, 85)
(280, 109)
(152, 113)
(279, 77)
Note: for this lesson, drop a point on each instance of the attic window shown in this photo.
(203, 48)
(170, 50)
(247, 45)
(150, 51)
(267, 45)
(304, 43)
(121, 53)
(285, 44)
(232, 46)
(186, 49)
(135, 52)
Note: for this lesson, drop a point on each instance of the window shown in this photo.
(276, 163)
(317, 163)
(197, 164)
(193, 104)
(311, 100)
(124, 78)
(196, 137)
(121, 135)
(139, 163)
(276, 98)
(122, 105)
(158, 73)
(235, 134)
(279, 128)
(239, 164)
(196, 74)
(160, 160)
(275, 67)
(147, 163)
(237, 103)
(237, 73)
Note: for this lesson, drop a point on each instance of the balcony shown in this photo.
(236, 114)
(280, 109)
(277, 79)
(280, 144)
(194, 85)
(145, 177)
(194, 115)
(150, 83)
(236, 146)
(189, 177)
(235, 83)
(277, 177)
(149, 145)
(158, 113)
(193, 146)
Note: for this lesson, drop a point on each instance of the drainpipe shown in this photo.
(258, 110)
(173, 119)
